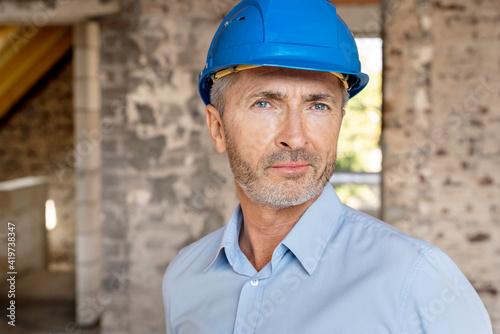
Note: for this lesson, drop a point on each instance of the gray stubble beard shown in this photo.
(278, 195)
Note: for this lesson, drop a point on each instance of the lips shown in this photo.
(291, 167)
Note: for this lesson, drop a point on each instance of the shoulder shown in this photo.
(382, 235)
(438, 298)
(433, 294)
(387, 240)
(182, 273)
(194, 257)
(380, 247)
(368, 247)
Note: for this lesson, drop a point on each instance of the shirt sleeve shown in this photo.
(439, 299)
(166, 304)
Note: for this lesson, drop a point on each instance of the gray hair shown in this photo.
(220, 87)
(345, 94)
(218, 92)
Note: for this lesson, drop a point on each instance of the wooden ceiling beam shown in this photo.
(24, 61)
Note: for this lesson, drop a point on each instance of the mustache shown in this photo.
(292, 156)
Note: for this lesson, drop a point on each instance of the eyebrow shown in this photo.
(280, 96)
(272, 95)
(319, 97)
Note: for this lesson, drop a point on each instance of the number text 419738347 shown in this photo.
(11, 273)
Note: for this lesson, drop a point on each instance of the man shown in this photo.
(293, 258)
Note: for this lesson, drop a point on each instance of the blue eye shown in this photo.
(320, 106)
(262, 104)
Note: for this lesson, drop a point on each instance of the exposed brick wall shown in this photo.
(36, 139)
(164, 185)
(441, 117)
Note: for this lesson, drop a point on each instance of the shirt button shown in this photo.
(254, 282)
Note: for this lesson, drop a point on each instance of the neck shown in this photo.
(264, 228)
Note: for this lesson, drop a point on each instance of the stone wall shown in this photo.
(441, 117)
(36, 139)
(164, 185)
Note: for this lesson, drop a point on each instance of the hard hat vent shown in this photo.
(246, 24)
(229, 22)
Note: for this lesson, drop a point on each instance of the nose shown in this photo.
(292, 134)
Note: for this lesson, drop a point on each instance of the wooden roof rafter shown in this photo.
(24, 61)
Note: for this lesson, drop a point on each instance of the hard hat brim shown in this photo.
(357, 80)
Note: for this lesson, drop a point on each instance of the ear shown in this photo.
(343, 113)
(216, 128)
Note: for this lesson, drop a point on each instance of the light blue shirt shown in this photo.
(337, 271)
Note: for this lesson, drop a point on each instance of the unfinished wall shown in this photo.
(441, 117)
(22, 203)
(164, 185)
(36, 139)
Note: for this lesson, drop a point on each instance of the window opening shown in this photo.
(359, 157)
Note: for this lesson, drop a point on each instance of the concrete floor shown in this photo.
(45, 304)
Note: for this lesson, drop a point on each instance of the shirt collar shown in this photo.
(309, 237)
(229, 242)
(307, 240)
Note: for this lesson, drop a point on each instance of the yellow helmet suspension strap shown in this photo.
(227, 71)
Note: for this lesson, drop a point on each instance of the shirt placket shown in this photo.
(248, 315)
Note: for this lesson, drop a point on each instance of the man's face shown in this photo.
(281, 128)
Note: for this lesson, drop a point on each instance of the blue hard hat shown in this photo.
(307, 35)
